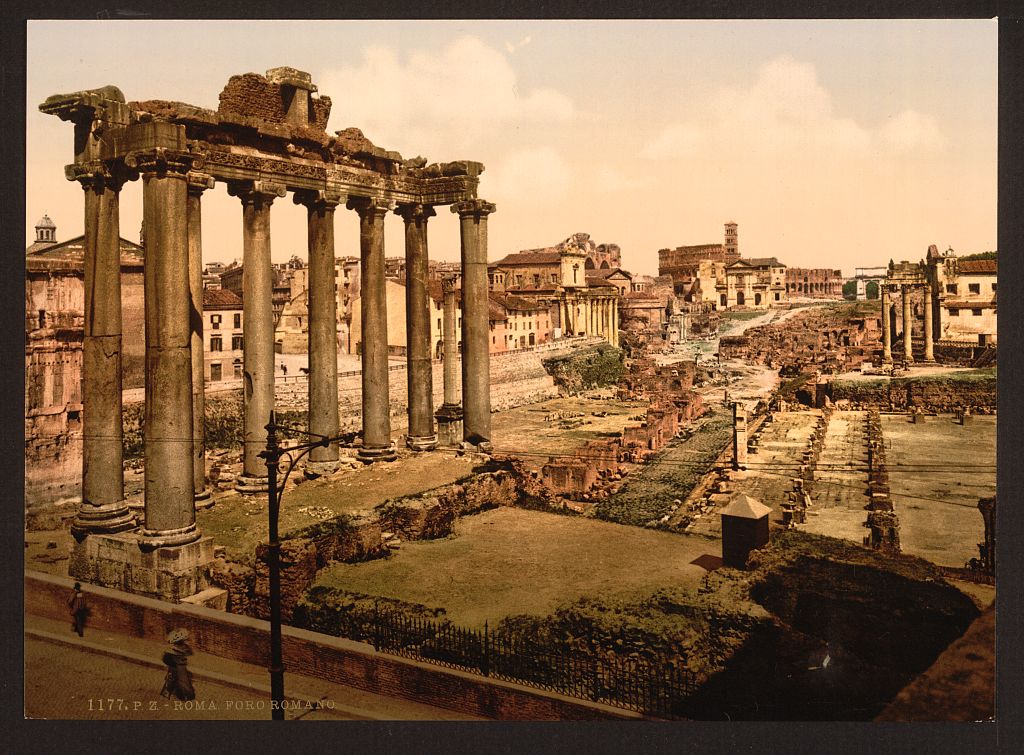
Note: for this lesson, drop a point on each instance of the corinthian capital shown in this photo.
(162, 162)
(474, 207)
(370, 206)
(96, 175)
(256, 192)
(412, 213)
(313, 199)
(199, 182)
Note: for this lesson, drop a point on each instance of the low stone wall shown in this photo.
(946, 394)
(349, 539)
(333, 659)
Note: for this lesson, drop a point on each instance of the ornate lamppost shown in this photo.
(273, 455)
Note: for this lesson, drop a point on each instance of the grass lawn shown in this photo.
(510, 561)
(240, 522)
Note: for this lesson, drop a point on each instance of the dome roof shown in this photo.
(45, 222)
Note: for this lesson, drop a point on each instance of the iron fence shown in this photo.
(633, 683)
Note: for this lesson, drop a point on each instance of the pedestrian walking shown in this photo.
(178, 679)
(284, 369)
(79, 610)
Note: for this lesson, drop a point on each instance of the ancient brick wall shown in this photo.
(948, 395)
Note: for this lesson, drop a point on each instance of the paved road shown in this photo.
(111, 676)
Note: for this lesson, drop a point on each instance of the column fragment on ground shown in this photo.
(476, 397)
(102, 508)
(169, 481)
(323, 328)
(197, 184)
(258, 316)
(421, 436)
(373, 314)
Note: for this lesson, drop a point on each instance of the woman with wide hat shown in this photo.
(178, 680)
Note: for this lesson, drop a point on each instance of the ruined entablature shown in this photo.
(268, 127)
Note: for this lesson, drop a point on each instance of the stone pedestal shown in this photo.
(117, 561)
(449, 426)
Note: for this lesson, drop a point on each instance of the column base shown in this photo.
(201, 495)
(483, 447)
(167, 573)
(314, 469)
(153, 539)
(370, 455)
(107, 519)
(421, 442)
(251, 485)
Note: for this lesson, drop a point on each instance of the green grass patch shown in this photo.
(649, 492)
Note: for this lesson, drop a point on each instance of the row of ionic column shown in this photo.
(888, 322)
(598, 317)
(173, 431)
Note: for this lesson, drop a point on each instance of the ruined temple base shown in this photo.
(117, 561)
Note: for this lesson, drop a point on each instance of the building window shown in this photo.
(974, 288)
(42, 316)
(993, 288)
(215, 372)
(236, 343)
(950, 288)
(976, 312)
(954, 312)
(238, 319)
(776, 296)
(215, 343)
(215, 321)
(439, 323)
(238, 370)
(536, 280)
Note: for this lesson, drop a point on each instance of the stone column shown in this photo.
(476, 396)
(739, 436)
(929, 347)
(322, 310)
(449, 416)
(170, 513)
(908, 346)
(103, 508)
(886, 327)
(258, 320)
(420, 373)
(197, 184)
(374, 315)
(451, 339)
(615, 322)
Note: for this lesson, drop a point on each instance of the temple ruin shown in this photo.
(267, 138)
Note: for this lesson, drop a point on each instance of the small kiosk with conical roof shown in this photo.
(744, 528)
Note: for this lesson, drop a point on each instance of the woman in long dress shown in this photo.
(178, 679)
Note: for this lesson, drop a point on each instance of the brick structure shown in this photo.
(683, 261)
(814, 283)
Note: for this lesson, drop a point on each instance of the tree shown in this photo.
(850, 290)
(871, 290)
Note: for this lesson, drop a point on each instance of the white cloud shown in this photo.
(464, 94)
(610, 179)
(512, 47)
(675, 141)
(912, 130)
(535, 175)
(784, 111)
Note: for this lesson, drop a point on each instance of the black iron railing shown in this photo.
(656, 689)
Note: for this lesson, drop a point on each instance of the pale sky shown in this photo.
(831, 143)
